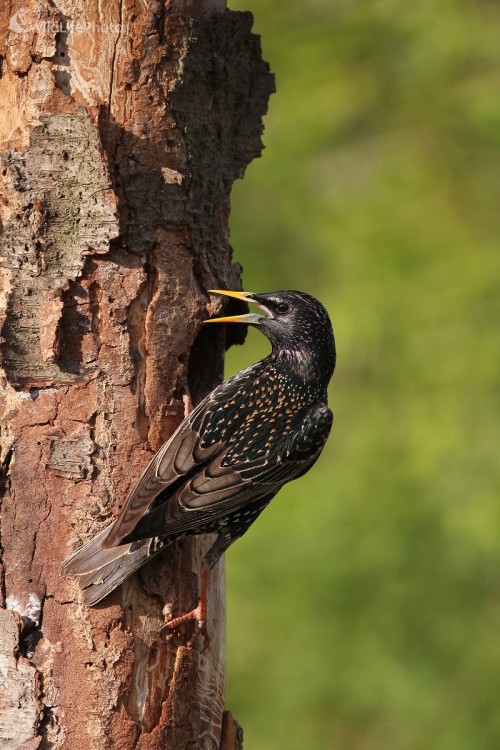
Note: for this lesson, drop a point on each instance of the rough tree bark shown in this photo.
(123, 126)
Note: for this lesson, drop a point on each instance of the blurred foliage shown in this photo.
(364, 606)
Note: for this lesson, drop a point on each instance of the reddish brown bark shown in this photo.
(121, 137)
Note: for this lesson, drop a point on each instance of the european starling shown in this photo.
(259, 429)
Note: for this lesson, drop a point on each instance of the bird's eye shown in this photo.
(282, 307)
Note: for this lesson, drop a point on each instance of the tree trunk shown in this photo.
(122, 135)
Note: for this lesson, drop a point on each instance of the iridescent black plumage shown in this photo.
(256, 431)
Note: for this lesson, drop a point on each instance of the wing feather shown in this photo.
(217, 490)
(179, 456)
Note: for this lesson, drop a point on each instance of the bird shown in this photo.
(259, 429)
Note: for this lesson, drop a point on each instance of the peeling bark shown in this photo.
(121, 137)
(20, 705)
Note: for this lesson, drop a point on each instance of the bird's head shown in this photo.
(297, 325)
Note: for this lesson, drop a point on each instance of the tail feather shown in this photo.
(99, 570)
(91, 556)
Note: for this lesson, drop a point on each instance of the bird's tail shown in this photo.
(99, 570)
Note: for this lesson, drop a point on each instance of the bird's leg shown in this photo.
(199, 613)
(188, 404)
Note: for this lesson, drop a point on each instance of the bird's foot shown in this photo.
(198, 614)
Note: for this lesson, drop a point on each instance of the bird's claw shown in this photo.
(198, 615)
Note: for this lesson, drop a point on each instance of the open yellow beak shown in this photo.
(247, 318)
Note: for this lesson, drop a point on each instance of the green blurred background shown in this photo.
(364, 606)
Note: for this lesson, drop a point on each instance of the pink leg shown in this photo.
(199, 613)
(188, 404)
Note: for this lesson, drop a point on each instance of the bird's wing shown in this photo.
(216, 490)
(182, 454)
(295, 456)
